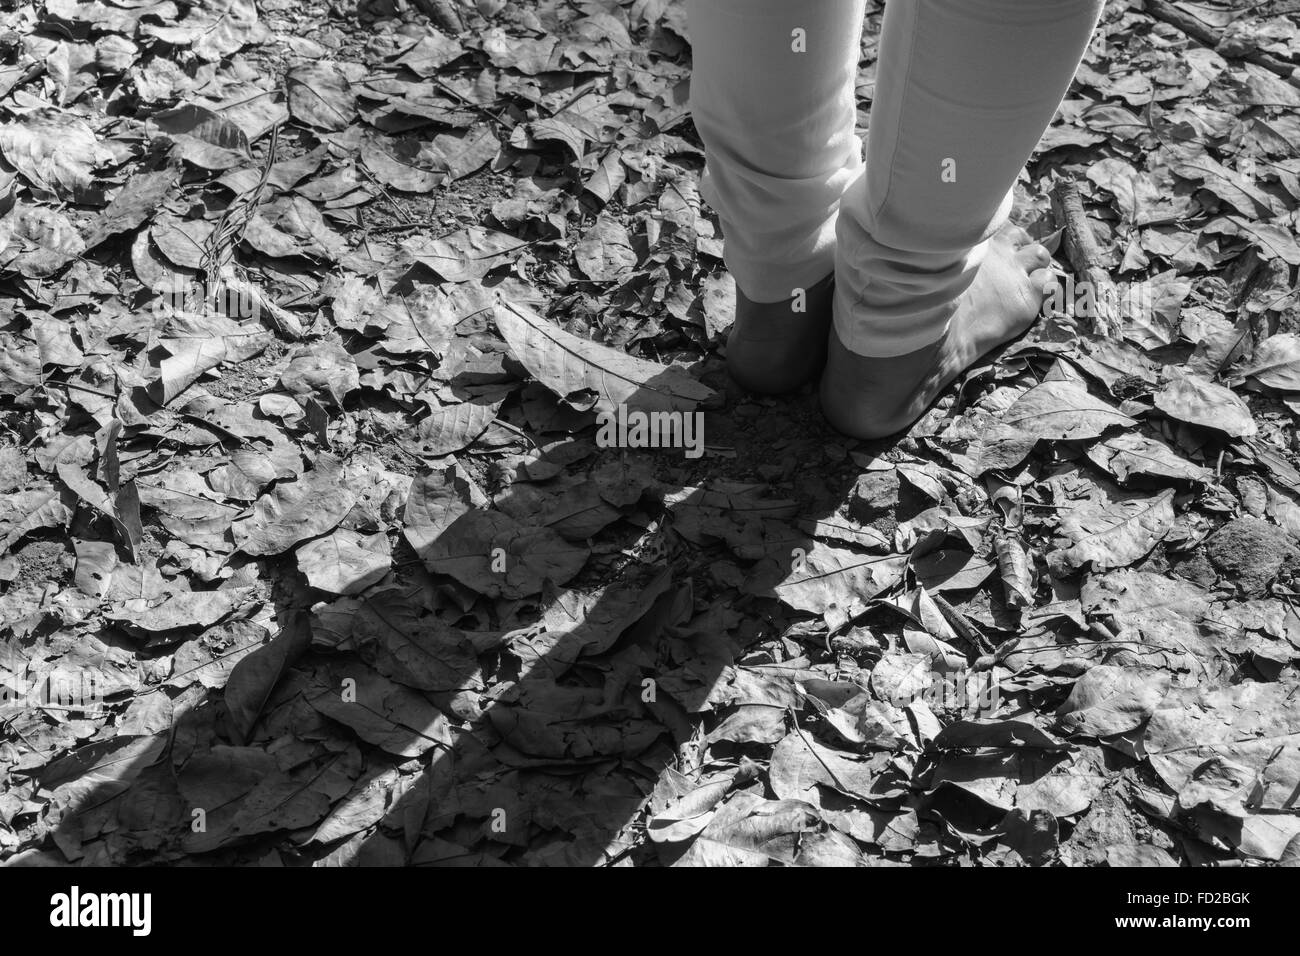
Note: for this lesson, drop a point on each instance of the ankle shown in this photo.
(776, 347)
(872, 397)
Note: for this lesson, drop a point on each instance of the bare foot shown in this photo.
(873, 397)
(772, 348)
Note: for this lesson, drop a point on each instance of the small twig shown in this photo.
(9, 725)
(70, 709)
(255, 199)
(394, 227)
(386, 194)
(471, 104)
(219, 249)
(1080, 245)
(518, 431)
(78, 388)
(965, 629)
(838, 782)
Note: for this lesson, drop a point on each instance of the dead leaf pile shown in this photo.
(312, 550)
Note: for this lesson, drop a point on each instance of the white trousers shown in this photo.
(964, 90)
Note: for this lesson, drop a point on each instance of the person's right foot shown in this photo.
(772, 348)
(871, 397)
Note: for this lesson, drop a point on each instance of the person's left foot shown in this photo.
(871, 397)
(772, 348)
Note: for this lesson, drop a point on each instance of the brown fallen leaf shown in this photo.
(604, 253)
(1114, 534)
(1110, 700)
(395, 718)
(452, 427)
(751, 831)
(54, 151)
(1275, 363)
(345, 562)
(1062, 409)
(320, 95)
(1202, 402)
(1130, 453)
(294, 511)
(498, 556)
(203, 137)
(590, 375)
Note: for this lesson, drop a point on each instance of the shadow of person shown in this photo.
(542, 662)
(594, 697)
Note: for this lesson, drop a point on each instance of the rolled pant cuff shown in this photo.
(793, 245)
(904, 323)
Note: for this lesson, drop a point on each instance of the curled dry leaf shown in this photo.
(1276, 363)
(466, 255)
(1114, 534)
(138, 199)
(1202, 402)
(55, 152)
(198, 343)
(689, 815)
(40, 241)
(345, 562)
(1129, 453)
(1014, 568)
(590, 375)
(452, 428)
(393, 717)
(824, 577)
(182, 241)
(498, 556)
(1110, 700)
(404, 164)
(320, 95)
(604, 253)
(751, 831)
(1062, 410)
(196, 609)
(296, 510)
(203, 137)
(21, 512)
(324, 371)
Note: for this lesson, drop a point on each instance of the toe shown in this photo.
(1033, 257)
(1015, 235)
(1042, 281)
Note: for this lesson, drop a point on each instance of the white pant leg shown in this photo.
(966, 88)
(776, 110)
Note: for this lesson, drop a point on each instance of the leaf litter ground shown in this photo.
(311, 555)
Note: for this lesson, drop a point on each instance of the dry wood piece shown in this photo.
(1085, 256)
(964, 628)
(1203, 33)
(444, 15)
